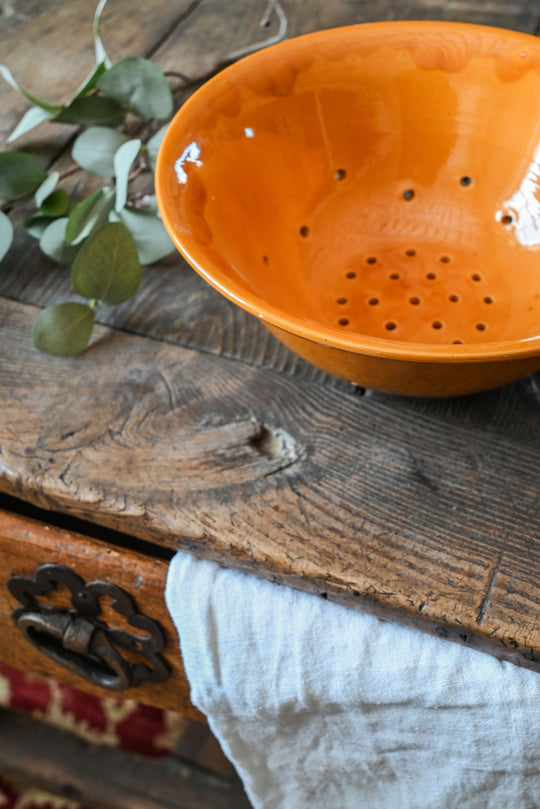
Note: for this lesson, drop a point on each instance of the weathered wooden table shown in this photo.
(168, 432)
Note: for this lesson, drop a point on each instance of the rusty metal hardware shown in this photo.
(79, 639)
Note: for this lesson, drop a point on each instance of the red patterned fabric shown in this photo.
(117, 722)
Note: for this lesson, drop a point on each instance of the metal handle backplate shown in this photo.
(79, 639)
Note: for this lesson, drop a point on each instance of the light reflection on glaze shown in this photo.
(524, 206)
(190, 154)
(248, 132)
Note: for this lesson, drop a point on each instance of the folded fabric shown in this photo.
(320, 706)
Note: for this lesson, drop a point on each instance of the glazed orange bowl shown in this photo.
(371, 194)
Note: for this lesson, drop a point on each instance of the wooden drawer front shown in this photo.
(26, 545)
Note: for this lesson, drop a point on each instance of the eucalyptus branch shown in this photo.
(9, 203)
(70, 172)
(103, 237)
(108, 235)
(175, 74)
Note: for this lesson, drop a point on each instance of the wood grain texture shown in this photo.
(39, 38)
(402, 511)
(25, 545)
(92, 775)
(189, 426)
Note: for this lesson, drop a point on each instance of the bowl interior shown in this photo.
(379, 181)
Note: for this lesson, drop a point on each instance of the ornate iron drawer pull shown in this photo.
(79, 638)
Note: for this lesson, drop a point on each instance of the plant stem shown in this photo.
(174, 74)
(68, 172)
(9, 202)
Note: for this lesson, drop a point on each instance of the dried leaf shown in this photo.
(123, 161)
(89, 213)
(20, 174)
(53, 242)
(90, 110)
(107, 268)
(139, 85)
(6, 234)
(95, 148)
(151, 239)
(64, 329)
(32, 118)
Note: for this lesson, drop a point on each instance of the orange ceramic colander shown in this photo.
(372, 194)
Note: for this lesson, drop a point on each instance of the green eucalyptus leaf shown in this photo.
(151, 239)
(36, 224)
(101, 54)
(107, 267)
(123, 161)
(20, 174)
(90, 110)
(7, 75)
(95, 148)
(89, 213)
(90, 82)
(64, 329)
(46, 188)
(53, 242)
(153, 145)
(140, 85)
(56, 204)
(33, 117)
(6, 234)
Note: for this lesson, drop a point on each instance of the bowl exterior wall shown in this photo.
(409, 377)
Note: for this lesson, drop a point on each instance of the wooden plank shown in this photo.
(410, 514)
(197, 745)
(66, 765)
(314, 15)
(26, 544)
(38, 38)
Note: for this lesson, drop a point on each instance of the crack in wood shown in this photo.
(485, 601)
(174, 27)
(469, 6)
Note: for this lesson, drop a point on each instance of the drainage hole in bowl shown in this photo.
(408, 194)
(390, 325)
(481, 326)
(394, 276)
(343, 321)
(476, 276)
(266, 260)
(415, 300)
(350, 274)
(488, 299)
(371, 260)
(340, 174)
(373, 301)
(437, 324)
(342, 301)
(465, 181)
(457, 342)
(304, 231)
(444, 259)
(431, 276)
(454, 298)
(410, 252)
(507, 219)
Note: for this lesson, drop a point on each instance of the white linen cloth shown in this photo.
(320, 706)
